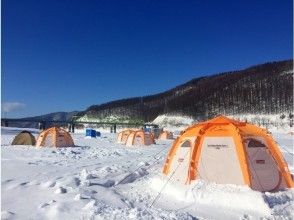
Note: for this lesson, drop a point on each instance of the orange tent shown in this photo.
(140, 137)
(55, 137)
(165, 135)
(227, 151)
(123, 136)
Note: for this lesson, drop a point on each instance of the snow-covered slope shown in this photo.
(110, 119)
(99, 179)
(173, 122)
(237, 92)
(269, 121)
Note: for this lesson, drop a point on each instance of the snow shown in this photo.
(173, 122)
(100, 179)
(269, 121)
(200, 197)
(110, 119)
(274, 122)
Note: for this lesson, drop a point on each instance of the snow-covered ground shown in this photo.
(99, 179)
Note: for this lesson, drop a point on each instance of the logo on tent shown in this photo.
(217, 146)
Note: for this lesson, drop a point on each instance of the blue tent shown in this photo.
(91, 132)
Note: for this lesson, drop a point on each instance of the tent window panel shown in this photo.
(138, 140)
(255, 143)
(49, 140)
(147, 139)
(62, 142)
(186, 144)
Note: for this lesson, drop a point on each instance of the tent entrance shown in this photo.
(138, 140)
(265, 175)
(181, 162)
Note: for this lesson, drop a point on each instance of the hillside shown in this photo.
(56, 116)
(261, 89)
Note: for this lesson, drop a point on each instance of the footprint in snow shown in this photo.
(134, 176)
(6, 215)
(143, 163)
(71, 182)
(104, 183)
(85, 194)
(48, 184)
(45, 204)
(34, 182)
(23, 184)
(85, 175)
(60, 190)
(7, 181)
(90, 205)
(13, 185)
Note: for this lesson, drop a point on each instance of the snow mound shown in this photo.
(5, 215)
(234, 199)
(274, 122)
(60, 190)
(173, 122)
(96, 208)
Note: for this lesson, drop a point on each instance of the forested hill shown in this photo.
(264, 89)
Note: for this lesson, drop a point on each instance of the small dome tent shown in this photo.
(55, 137)
(227, 151)
(123, 136)
(24, 138)
(165, 135)
(140, 138)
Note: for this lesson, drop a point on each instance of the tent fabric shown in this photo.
(123, 136)
(165, 135)
(228, 151)
(24, 138)
(91, 132)
(140, 137)
(55, 137)
(156, 132)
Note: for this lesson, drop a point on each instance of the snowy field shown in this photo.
(99, 179)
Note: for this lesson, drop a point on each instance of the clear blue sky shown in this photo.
(64, 55)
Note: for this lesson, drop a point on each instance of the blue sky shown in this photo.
(67, 55)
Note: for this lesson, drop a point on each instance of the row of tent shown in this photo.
(219, 150)
(140, 137)
(223, 151)
(58, 137)
(51, 137)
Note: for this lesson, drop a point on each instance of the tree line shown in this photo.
(262, 89)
